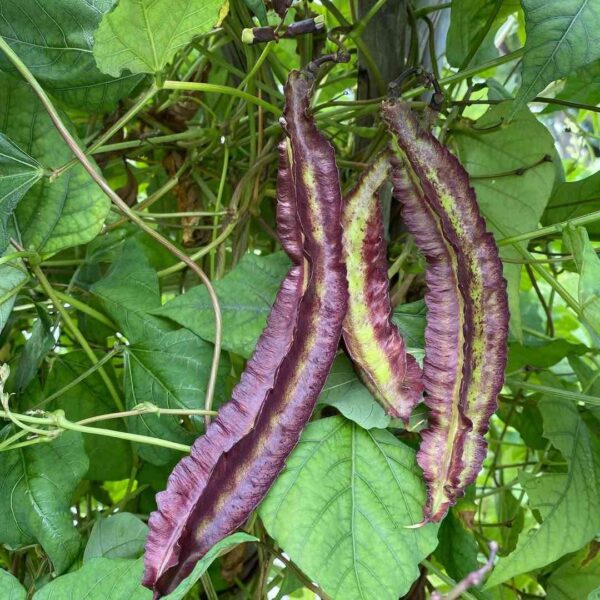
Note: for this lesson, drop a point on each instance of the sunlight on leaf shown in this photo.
(561, 37)
(143, 36)
(340, 509)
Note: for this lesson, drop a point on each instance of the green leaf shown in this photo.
(129, 292)
(169, 372)
(457, 549)
(36, 484)
(13, 276)
(52, 215)
(202, 565)
(143, 36)
(55, 43)
(561, 37)
(588, 265)
(119, 578)
(110, 459)
(528, 422)
(577, 577)
(39, 344)
(583, 86)
(10, 588)
(569, 503)
(18, 172)
(257, 7)
(574, 199)
(340, 508)
(245, 294)
(509, 511)
(511, 202)
(468, 19)
(118, 536)
(99, 579)
(411, 320)
(344, 391)
(541, 354)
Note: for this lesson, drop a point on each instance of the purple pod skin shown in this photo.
(281, 6)
(373, 341)
(467, 321)
(259, 35)
(237, 417)
(213, 491)
(313, 25)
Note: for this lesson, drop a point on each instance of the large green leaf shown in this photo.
(340, 510)
(169, 372)
(99, 579)
(561, 37)
(512, 180)
(129, 291)
(18, 172)
(118, 536)
(569, 502)
(143, 36)
(110, 459)
(576, 578)
(588, 265)
(56, 43)
(10, 588)
(574, 199)
(52, 215)
(468, 19)
(344, 390)
(36, 484)
(245, 294)
(13, 276)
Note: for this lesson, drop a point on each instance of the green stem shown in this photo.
(540, 270)
(209, 589)
(64, 313)
(179, 215)
(145, 409)
(421, 12)
(544, 389)
(364, 21)
(218, 203)
(550, 229)
(470, 72)
(64, 423)
(193, 86)
(117, 126)
(59, 421)
(79, 379)
(85, 308)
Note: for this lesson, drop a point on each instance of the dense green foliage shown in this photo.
(107, 338)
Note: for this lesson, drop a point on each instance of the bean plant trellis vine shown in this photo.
(143, 209)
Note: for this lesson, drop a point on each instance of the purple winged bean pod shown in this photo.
(230, 469)
(377, 349)
(467, 321)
